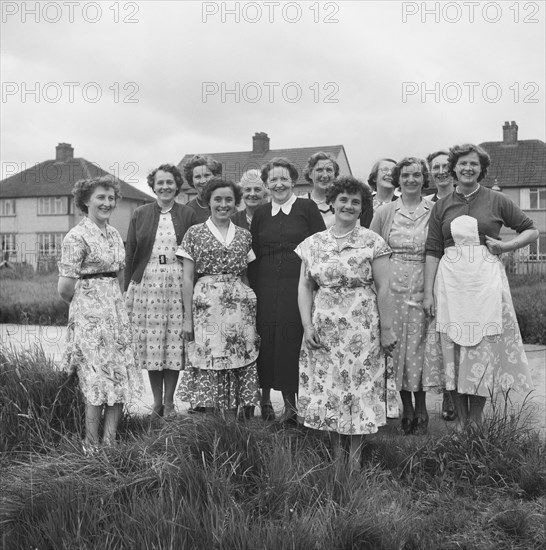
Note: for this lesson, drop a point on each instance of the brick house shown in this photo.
(518, 169)
(37, 208)
(235, 164)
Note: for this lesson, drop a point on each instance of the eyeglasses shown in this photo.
(385, 169)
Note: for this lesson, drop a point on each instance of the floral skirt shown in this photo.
(496, 364)
(99, 344)
(156, 310)
(221, 361)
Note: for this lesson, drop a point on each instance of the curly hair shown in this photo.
(408, 161)
(172, 169)
(83, 189)
(458, 151)
(218, 183)
(351, 186)
(372, 178)
(312, 162)
(197, 160)
(280, 162)
(432, 156)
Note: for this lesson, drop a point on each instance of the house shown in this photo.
(235, 164)
(518, 169)
(37, 208)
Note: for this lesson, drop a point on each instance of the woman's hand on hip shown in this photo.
(310, 337)
(495, 246)
(429, 306)
(388, 341)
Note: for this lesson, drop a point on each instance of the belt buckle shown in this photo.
(162, 259)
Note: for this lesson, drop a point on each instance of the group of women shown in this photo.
(296, 294)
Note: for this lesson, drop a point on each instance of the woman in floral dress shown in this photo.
(475, 348)
(347, 326)
(221, 339)
(99, 338)
(153, 281)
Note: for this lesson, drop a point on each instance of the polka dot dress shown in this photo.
(407, 240)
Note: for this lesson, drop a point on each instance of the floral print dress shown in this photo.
(221, 361)
(99, 345)
(343, 384)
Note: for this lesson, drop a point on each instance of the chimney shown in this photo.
(510, 133)
(64, 152)
(260, 143)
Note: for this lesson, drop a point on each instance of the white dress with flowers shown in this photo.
(99, 339)
(343, 384)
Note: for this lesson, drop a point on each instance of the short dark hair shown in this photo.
(351, 186)
(432, 156)
(282, 163)
(218, 183)
(312, 162)
(171, 168)
(197, 160)
(458, 151)
(83, 189)
(408, 161)
(372, 178)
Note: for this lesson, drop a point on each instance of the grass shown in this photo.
(202, 482)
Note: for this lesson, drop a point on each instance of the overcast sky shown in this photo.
(132, 85)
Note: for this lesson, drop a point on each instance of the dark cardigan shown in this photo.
(141, 236)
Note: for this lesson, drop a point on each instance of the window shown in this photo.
(7, 207)
(533, 198)
(52, 206)
(49, 244)
(8, 246)
(537, 250)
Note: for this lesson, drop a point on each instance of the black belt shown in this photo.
(111, 274)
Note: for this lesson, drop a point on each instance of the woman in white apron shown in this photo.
(474, 347)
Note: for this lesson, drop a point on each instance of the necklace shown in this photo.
(315, 200)
(166, 211)
(199, 204)
(469, 194)
(341, 236)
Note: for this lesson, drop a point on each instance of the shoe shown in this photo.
(289, 418)
(248, 412)
(407, 425)
(169, 413)
(268, 414)
(194, 410)
(449, 414)
(89, 449)
(419, 426)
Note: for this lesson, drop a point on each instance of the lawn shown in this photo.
(204, 482)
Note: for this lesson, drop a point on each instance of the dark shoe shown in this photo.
(268, 414)
(247, 412)
(448, 408)
(194, 410)
(419, 426)
(407, 425)
(289, 418)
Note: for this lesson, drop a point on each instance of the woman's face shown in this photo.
(222, 204)
(323, 174)
(438, 171)
(201, 175)
(101, 204)
(280, 184)
(347, 208)
(468, 169)
(411, 181)
(384, 175)
(164, 186)
(253, 193)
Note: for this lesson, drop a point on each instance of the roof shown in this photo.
(522, 164)
(57, 178)
(235, 164)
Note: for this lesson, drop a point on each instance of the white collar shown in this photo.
(216, 232)
(286, 207)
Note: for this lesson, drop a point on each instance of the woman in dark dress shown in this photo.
(197, 172)
(277, 228)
